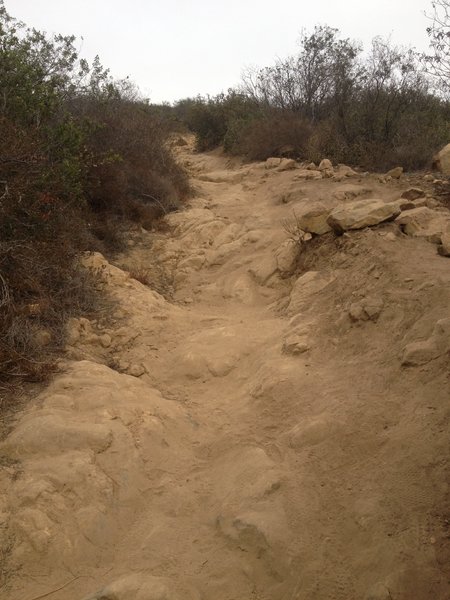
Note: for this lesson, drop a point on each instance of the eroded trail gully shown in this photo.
(254, 437)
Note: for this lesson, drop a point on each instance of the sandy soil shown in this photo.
(253, 434)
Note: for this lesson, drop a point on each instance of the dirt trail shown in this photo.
(247, 439)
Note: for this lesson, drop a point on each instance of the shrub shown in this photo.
(81, 157)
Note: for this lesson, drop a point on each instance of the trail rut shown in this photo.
(249, 436)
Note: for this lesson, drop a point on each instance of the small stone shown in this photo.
(272, 163)
(296, 344)
(395, 173)
(413, 193)
(136, 370)
(286, 164)
(325, 165)
(428, 177)
(105, 340)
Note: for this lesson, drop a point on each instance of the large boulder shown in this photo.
(273, 162)
(424, 222)
(286, 164)
(441, 161)
(362, 213)
(395, 173)
(314, 220)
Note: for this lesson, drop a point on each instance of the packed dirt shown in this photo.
(270, 422)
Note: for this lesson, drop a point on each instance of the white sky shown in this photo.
(173, 48)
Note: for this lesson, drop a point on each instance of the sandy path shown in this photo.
(247, 439)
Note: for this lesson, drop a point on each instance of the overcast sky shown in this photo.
(174, 48)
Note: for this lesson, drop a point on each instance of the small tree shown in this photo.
(438, 62)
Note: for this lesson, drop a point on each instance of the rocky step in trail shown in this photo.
(270, 422)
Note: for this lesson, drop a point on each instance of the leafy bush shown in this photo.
(375, 110)
(81, 156)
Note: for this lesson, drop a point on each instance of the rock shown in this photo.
(350, 191)
(286, 164)
(428, 177)
(413, 193)
(296, 344)
(308, 174)
(311, 166)
(105, 340)
(136, 370)
(325, 165)
(368, 309)
(424, 222)
(395, 173)
(314, 220)
(272, 163)
(420, 353)
(313, 431)
(441, 161)
(403, 204)
(444, 248)
(286, 257)
(327, 173)
(263, 270)
(306, 286)
(390, 237)
(361, 213)
(345, 171)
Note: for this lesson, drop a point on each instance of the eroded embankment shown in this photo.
(256, 435)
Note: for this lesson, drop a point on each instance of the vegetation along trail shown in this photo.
(272, 425)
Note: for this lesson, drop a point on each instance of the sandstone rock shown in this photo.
(424, 222)
(395, 173)
(105, 340)
(286, 164)
(325, 165)
(413, 193)
(308, 174)
(403, 204)
(350, 191)
(428, 177)
(314, 220)
(306, 286)
(311, 166)
(327, 173)
(361, 213)
(272, 163)
(367, 309)
(345, 171)
(444, 248)
(296, 344)
(286, 257)
(441, 161)
(136, 370)
(422, 352)
(313, 431)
